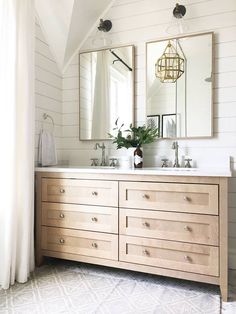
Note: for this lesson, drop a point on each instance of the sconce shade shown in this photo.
(170, 66)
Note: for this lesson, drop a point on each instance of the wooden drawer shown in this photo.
(202, 229)
(192, 198)
(80, 242)
(195, 258)
(93, 218)
(90, 192)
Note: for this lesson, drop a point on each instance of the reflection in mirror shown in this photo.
(179, 85)
(106, 91)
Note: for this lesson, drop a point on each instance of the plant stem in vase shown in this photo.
(138, 157)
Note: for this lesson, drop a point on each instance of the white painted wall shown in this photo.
(135, 22)
(48, 91)
(55, 18)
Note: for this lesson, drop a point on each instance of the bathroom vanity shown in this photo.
(170, 223)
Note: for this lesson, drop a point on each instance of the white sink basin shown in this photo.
(100, 167)
(84, 167)
(171, 169)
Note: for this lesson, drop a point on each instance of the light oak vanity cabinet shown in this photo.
(167, 225)
(72, 223)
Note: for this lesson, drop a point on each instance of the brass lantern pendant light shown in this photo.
(170, 66)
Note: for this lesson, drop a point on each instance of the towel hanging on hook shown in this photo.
(47, 116)
(47, 153)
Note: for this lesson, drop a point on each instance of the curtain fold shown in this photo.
(101, 99)
(17, 26)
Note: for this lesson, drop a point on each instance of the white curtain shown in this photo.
(16, 140)
(101, 101)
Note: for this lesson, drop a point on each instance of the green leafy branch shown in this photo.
(134, 136)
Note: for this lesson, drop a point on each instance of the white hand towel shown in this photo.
(47, 149)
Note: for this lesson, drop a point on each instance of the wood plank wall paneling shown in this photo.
(135, 22)
(48, 91)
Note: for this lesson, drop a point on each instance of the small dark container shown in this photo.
(138, 158)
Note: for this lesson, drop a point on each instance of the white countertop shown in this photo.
(195, 172)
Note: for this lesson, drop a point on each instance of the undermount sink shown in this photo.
(86, 167)
(170, 169)
(101, 167)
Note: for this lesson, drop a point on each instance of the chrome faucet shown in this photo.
(175, 146)
(103, 147)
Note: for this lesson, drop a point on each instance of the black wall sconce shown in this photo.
(179, 11)
(105, 26)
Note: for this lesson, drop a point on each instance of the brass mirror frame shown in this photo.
(133, 86)
(212, 87)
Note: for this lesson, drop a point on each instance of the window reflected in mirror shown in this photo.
(106, 91)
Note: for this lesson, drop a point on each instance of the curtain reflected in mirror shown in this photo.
(179, 85)
(106, 91)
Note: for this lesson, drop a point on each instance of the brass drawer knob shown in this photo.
(62, 215)
(62, 241)
(94, 193)
(146, 196)
(146, 252)
(187, 199)
(146, 224)
(94, 244)
(187, 228)
(187, 258)
(94, 219)
(62, 190)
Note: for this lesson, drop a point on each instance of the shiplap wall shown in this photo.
(48, 91)
(138, 21)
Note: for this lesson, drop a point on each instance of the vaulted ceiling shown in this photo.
(67, 24)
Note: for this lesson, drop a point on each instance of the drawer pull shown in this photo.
(187, 199)
(62, 215)
(146, 252)
(187, 258)
(146, 224)
(94, 245)
(95, 193)
(187, 228)
(62, 190)
(146, 196)
(62, 241)
(94, 219)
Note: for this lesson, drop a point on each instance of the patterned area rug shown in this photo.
(69, 287)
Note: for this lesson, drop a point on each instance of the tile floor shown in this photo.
(71, 288)
(230, 307)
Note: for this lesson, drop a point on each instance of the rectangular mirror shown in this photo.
(106, 88)
(179, 86)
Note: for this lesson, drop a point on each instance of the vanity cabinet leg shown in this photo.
(39, 259)
(223, 212)
(224, 292)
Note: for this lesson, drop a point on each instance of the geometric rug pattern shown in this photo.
(70, 287)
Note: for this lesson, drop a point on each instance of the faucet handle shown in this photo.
(94, 162)
(113, 162)
(164, 164)
(187, 164)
